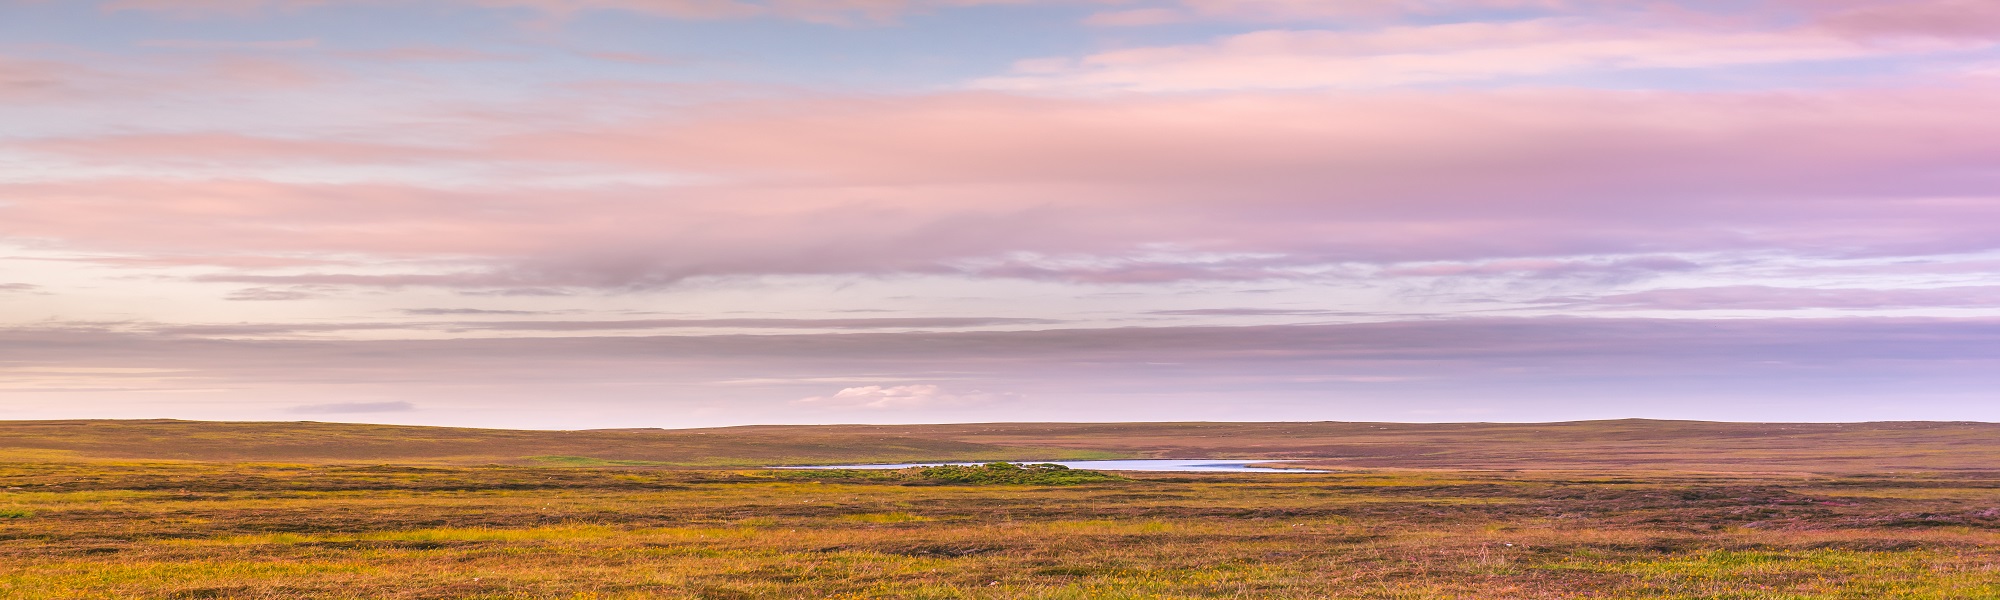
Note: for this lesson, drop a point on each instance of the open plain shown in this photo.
(1618, 509)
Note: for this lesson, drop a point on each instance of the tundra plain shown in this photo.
(1609, 509)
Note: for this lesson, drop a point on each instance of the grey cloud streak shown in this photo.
(1539, 368)
(871, 323)
(1251, 312)
(344, 408)
(1760, 297)
(268, 329)
(469, 311)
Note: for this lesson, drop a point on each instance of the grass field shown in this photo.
(96, 517)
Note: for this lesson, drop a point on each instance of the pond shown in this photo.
(1178, 465)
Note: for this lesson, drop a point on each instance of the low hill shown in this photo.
(1621, 444)
(313, 442)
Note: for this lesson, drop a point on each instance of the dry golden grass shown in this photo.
(187, 530)
(1616, 509)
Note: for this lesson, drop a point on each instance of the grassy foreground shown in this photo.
(1612, 509)
(189, 530)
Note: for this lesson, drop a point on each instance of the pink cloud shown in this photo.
(1366, 140)
(116, 87)
(244, 71)
(212, 148)
(1102, 190)
(1920, 18)
(213, 260)
(1298, 59)
(32, 80)
(1973, 19)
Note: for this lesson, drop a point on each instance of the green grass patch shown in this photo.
(15, 513)
(1013, 474)
(845, 475)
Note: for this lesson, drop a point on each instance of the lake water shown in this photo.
(1177, 465)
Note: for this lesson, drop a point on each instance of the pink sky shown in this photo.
(612, 213)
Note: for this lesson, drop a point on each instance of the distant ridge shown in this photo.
(1577, 445)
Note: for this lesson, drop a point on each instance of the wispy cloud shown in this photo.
(899, 397)
(265, 294)
(1247, 312)
(1308, 59)
(353, 408)
(1614, 270)
(468, 311)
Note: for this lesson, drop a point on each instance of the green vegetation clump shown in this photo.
(994, 473)
(1003, 473)
(15, 513)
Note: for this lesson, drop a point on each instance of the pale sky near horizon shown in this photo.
(673, 213)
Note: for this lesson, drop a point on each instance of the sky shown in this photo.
(682, 213)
